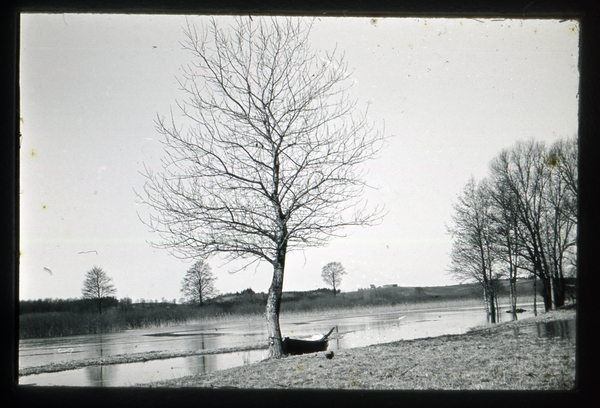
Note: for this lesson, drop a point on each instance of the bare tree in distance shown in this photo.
(199, 283)
(332, 274)
(97, 285)
(273, 159)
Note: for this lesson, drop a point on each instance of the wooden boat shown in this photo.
(519, 310)
(298, 346)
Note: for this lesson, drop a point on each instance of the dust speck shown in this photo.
(374, 22)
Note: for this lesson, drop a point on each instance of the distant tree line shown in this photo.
(64, 305)
(520, 221)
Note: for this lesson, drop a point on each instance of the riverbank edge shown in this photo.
(162, 355)
(506, 356)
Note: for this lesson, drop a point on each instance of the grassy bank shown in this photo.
(506, 356)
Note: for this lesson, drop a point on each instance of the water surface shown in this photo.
(350, 331)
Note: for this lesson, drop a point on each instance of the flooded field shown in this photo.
(350, 331)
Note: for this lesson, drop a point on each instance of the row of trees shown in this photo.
(199, 282)
(521, 220)
(197, 286)
(71, 305)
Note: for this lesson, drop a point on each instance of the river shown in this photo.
(350, 331)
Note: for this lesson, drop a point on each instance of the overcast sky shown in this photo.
(452, 93)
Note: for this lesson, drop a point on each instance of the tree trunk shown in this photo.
(497, 308)
(513, 259)
(513, 296)
(559, 292)
(492, 304)
(546, 289)
(534, 295)
(199, 286)
(274, 307)
(486, 299)
(552, 299)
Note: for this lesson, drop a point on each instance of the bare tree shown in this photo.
(332, 274)
(199, 283)
(97, 285)
(542, 185)
(473, 253)
(561, 203)
(273, 158)
(563, 156)
(506, 226)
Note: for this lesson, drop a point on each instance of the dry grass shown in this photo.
(506, 356)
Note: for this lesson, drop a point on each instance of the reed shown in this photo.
(58, 324)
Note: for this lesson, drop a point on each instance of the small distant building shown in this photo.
(391, 285)
(373, 286)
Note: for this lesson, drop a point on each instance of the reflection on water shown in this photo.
(97, 376)
(563, 329)
(199, 336)
(559, 329)
(350, 332)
